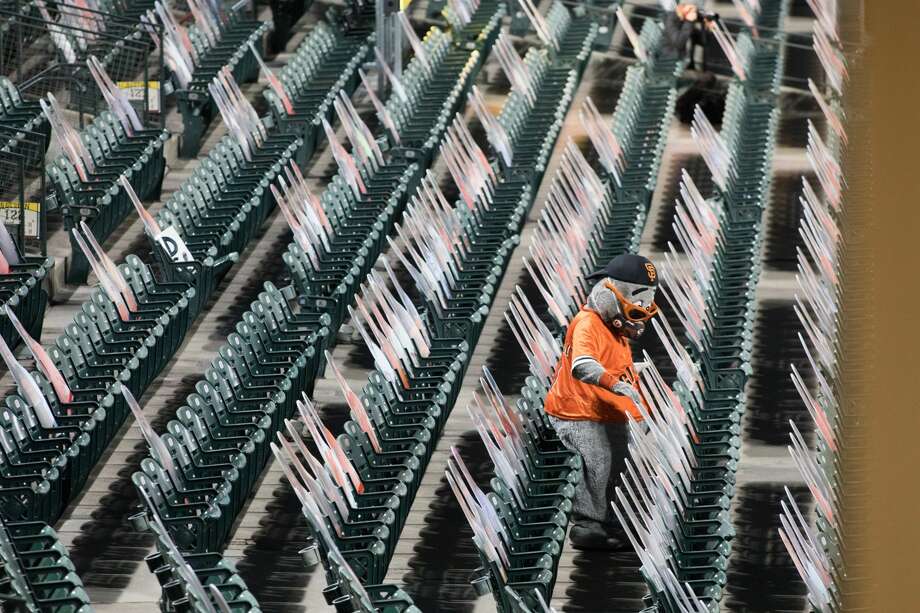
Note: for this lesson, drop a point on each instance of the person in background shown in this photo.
(681, 34)
(595, 389)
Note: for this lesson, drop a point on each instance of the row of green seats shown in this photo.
(641, 122)
(252, 359)
(247, 391)
(701, 547)
(352, 252)
(18, 117)
(535, 509)
(46, 465)
(536, 506)
(238, 40)
(360, 229)
(432, 95)
(418, 75)
(36, 574)
(640, 128)
(325, 63)
(99, 200)
(575, 37)
(406, 418)
(481, 23)
(536, 529)
(45, 461)
(408, 414)
(100, 352)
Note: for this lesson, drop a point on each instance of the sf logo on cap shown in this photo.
(652, 273)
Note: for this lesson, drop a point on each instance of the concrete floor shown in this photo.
(435, 555)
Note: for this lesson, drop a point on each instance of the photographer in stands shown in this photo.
(681, 34)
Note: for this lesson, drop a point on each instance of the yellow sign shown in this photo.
(135, 91)
(404, 4)
(9, 214)
(133, 84)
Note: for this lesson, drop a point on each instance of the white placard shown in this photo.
(174, 246)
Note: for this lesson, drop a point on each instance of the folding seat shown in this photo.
(221, 431)
(393, 487)
(31, 478)
(430, 390)
(221, 369)
(219, 471)
(198, 454)
(191, 488)
(21, 290)
(373, 517)
(530, 534)
(15, 110)
(399, 445)
(193, 429)
(71, 362)
(249, 363)
(252, 362)
(36, 545)
(299, 355)
(209, 569)
(35, 571)
(415, 415)
(273, 306)
(82, 407)
(268, 339)
(106, 350)
(158, 294)
(194, 521)
(385, 465)
(72, 435)
(230, 414)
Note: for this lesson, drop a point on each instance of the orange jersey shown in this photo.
(569, 398)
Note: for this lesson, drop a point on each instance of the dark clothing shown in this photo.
(676, 36)
(707, 92)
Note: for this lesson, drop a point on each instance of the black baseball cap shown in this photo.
(629, 268)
